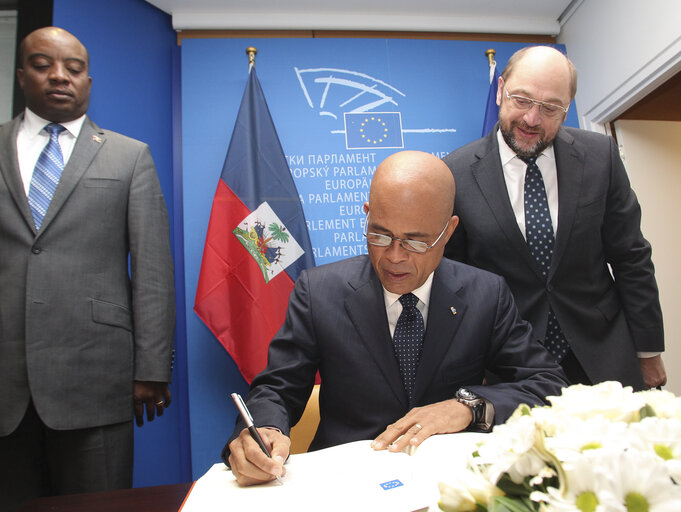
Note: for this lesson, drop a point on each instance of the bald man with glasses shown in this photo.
(550, 208)
(402, 339)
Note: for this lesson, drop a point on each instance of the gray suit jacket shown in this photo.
(606, 320)
(75, 328)
(336, 323)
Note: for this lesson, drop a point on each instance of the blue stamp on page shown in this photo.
(391, 484)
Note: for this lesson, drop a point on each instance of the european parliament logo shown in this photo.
(333, 92)
(373, 130)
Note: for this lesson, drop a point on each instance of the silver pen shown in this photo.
(248, 419)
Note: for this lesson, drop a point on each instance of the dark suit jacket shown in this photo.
(75, 329)
(336, 323)
(605, 320)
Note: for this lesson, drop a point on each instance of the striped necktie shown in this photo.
(46, 175)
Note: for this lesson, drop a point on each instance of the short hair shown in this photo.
(520, 54)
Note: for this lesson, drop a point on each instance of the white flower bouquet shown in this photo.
(599, 448)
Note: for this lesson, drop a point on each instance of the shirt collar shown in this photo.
(33, 124)
(422, 292)
(507, 154)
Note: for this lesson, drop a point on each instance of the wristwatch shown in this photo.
(476, 405)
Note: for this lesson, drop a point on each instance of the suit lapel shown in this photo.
(366, 309)
(9, 167)
(489, 175)
(445, 312)
(89, 142)
(570, 169)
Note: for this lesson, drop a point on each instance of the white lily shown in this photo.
(466, 489)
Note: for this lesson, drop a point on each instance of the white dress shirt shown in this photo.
(514, 175)
(393, 306)
(32, 139)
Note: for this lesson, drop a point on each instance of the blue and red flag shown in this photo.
(257, 242)
(491, 109)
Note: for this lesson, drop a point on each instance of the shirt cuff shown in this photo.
(646, 355)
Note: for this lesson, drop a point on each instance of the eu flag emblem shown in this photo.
(373, 130)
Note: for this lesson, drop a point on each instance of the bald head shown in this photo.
(417, 180)
(546, 60)
(52, 34)
(54, 74)
(411, 202)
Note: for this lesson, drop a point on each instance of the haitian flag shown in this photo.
(491, 109)
(257, 241)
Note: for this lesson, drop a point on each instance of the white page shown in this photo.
(345, 477)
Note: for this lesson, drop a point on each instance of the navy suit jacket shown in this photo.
(605, 320)
(336, 323)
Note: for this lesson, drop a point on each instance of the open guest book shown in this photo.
(347, 477)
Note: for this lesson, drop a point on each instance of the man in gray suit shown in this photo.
(401, 338)
(584, 278)
(87, 304)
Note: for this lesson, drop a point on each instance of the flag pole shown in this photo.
(490, 55)
(251, 51)
(491, 108)
(492, 62)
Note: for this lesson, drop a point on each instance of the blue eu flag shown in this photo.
(373, 130)
(491, 108)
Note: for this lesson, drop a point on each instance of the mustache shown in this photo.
(525, 127)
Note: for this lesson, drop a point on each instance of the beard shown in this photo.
(509, 137)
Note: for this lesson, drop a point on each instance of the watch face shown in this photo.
(464, 394)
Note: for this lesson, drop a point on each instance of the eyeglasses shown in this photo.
(410, 245)
(548, 110)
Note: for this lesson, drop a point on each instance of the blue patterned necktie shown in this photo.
(539, 235)
(408, 340)
(46, 175)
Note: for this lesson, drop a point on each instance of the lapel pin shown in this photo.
(453, 310)
(97, 139)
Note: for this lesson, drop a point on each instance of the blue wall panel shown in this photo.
(437, 90)
(131, 56)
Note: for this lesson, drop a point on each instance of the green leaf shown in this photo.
(506, 504)
(511, 488)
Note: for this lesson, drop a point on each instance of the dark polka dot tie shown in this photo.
(539, 235)
(408, 340)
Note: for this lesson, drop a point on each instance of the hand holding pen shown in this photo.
(240, 452)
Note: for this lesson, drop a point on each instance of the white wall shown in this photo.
(623, 49)
(652, 153)
(8, 24)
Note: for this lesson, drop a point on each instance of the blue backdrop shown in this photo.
(340, 107)
(132, 58)
(430, 95)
